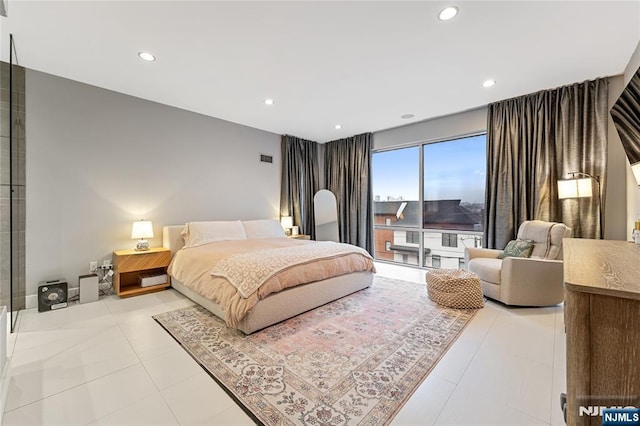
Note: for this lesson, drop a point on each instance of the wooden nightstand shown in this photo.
(129, 265)
(300, 237)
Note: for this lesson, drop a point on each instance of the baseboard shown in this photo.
(31, 301)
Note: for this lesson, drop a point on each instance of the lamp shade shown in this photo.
(142, 229)
(286, 222)
(575, 188)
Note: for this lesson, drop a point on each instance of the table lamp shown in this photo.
(140, 231)
(287, 224)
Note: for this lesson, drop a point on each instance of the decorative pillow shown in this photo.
(199, 233)
(517, 248)
(265, 228)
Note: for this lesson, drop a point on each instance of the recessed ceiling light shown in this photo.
(146, 56)
(269, 102)
(407, 116)
(337, 127)
(448, 13)
(488, 83)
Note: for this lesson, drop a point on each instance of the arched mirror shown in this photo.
(326, 216)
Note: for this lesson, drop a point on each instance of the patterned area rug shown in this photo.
(356, 360)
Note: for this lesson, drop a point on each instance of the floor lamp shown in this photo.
(577, 187)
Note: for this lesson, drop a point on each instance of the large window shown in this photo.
(437, 188)
(454, 178)
(396, 183)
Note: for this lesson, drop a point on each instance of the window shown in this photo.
(395, 179)
(454, 178)
(429, 201)
(413, 237)
(449, 240)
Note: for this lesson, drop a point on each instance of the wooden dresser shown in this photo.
(602, 320)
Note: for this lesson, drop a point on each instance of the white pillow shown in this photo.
(199, 233)
(264, 228)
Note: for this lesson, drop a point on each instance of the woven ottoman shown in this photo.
(455, 288)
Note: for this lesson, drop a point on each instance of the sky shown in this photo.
(452, 170)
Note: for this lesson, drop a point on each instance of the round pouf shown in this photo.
(455, 288)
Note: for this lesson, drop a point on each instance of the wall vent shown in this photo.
(266, 158)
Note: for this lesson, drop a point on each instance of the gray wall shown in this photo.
(455, 125)
(615, 217)
(98, 160)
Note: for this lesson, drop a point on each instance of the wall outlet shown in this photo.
(93, 266)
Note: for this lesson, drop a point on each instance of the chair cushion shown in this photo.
(488, 269)
(517, 248)
(546, 236)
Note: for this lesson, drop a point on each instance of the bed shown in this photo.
(201, 248)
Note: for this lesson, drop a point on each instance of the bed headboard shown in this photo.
(172, 238)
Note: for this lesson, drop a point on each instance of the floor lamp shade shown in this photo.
(575, 188)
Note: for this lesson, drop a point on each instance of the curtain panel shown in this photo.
(534, 140)
(299, 182)
(348, 176)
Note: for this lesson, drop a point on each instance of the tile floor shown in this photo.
(109, 363)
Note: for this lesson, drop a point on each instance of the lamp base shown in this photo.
(142, 245)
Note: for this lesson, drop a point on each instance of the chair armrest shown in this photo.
(530, 282)
(471, 252)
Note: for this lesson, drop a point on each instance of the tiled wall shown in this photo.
(12, 185)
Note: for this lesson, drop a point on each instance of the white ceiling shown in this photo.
(360, 64)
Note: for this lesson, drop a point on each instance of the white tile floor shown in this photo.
(109, 363)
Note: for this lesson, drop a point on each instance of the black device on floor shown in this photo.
(52, 295)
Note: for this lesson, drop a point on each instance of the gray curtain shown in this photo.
(626, 116)
(299, 182)
(348, 176)
(534, 140)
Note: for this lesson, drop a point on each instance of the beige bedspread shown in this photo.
(192, 267)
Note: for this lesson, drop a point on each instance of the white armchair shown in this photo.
(532, 281)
